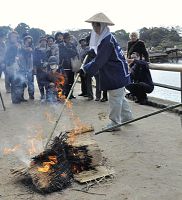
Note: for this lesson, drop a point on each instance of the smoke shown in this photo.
(24, 148)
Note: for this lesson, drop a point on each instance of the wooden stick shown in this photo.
(2, 102)
(139, 118)
(65, 102)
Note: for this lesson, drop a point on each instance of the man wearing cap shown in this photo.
(112, 67)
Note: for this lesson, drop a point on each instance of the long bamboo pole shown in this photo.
(64, 105)
(2, 101)
(139, 118)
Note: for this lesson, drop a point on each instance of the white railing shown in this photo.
(168, 67)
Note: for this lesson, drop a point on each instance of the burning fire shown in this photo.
(47, 165)
(35, 143)
(49, 117)
(59, 87)
(75, 168)
(7, 151)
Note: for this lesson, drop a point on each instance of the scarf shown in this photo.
(96, 39)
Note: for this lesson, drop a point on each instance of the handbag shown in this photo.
(75, 64)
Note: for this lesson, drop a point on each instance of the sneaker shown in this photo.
(110, 128)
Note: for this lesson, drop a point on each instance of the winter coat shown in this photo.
(2, 52)
(39, 56)
(53, 51)
(11, 53)
(139, 47)
(111, 64)
(67, 51)
(140, 72)
(26, 59)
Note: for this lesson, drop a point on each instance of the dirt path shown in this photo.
(147, 155)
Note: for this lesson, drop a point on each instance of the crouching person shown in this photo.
(112, 67)
(56, 79)
(141, 79)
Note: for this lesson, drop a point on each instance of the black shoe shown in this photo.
(90, 98)
(82, 94)
(143, 102)
(85, 95)
(16, 102)
(24, 100)
(31, 97)
(72, 97)
(104, 99)
(97, 99)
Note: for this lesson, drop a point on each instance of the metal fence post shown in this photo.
(181, 86)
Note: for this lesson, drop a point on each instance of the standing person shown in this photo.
(15, 79)
(2, 52)
(84, 48)
(52, 48)
(58, 38)
(141, 79)
(39, 59)
(26, 61)
(112, 67)
(68, 51)
(136, 45)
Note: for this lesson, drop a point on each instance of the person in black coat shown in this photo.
(39, 59)
(141, 79)
(136, 45)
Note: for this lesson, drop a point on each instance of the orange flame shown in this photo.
(34, 143)
(59, 86)
(47, 165)
(7, 151)
(63, 175)
(49, 117)
(32, 149)
(69, 104)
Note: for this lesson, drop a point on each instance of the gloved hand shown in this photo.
(91, 54)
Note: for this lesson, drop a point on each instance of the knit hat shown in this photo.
(52, 60)
(100, 17)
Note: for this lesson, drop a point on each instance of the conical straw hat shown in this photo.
(100, 17)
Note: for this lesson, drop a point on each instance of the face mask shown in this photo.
(53, 67)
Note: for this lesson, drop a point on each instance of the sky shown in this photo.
(58, 15)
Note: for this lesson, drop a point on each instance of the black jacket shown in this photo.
(140, 72)
(139, 47)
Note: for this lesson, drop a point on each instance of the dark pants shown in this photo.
(83, 85)
(89, 86)
(69, 82)
(98, 91)
(17, 87)
(30, 82)
(139, 90)
(42, 85)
